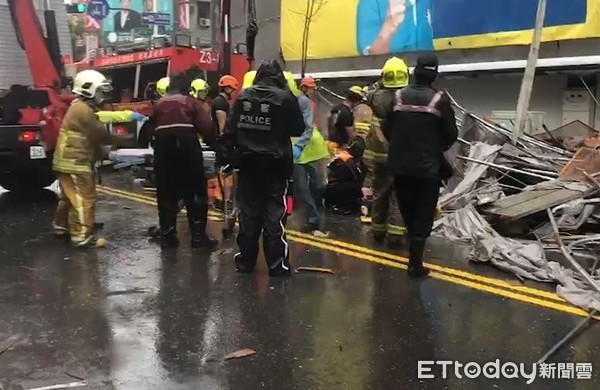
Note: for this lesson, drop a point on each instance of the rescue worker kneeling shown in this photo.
(264, 118)
(178, 162)
(78, 147)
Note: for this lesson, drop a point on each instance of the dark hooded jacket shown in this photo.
(418, 140)
(263, 119)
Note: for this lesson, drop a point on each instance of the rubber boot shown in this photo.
(415, 260)
(199, 237)
(169, 239)
(91, 242)
(203, 241)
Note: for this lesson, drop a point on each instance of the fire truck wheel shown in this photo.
(26, 183)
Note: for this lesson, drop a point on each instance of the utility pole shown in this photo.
(175, 18)
(529, 75)
(155, 27)
(225, 55)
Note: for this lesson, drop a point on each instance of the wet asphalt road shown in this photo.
(131, 317)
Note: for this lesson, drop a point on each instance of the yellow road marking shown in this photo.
(450, 271)
(466, 283)
(438, 272)
(435, 267)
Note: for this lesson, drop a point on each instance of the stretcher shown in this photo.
(145, 158)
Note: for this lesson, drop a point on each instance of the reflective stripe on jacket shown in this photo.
(376, 143)
(115, 116)
(80, 136)
(362, 120)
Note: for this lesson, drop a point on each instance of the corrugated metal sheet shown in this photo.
(13, 64)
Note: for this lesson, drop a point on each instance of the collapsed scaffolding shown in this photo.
(544, 192)
(538, 188)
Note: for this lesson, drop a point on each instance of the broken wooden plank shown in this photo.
(242, 353)
(531, 202)
(9, 342)
(62, 386)
(316, 269)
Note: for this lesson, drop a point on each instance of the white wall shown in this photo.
(486, 93)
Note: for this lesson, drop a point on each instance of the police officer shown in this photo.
(420, 125)
(264, 118)
(178, 162)
(386, 218)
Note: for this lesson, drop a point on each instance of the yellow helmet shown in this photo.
(162, 86)
(248, 79)
(197, 86)
(394, 73)
(289, 77)
(356, 90)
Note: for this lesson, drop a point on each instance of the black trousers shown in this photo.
(417, 199)
(261, 198)
(179, 168)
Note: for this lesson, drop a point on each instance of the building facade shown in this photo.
(559, 95)
(13, 63)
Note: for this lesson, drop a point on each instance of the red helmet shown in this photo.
(228, 81)
(308, 82)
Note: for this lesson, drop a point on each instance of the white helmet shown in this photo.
(89, 82)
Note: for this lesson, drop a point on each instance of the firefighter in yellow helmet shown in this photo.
(79, 144)
(248, 79)
(199, 89)
(386, 219)
(341, 120)
(162, 86)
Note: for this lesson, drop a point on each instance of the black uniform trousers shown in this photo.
(179, 168)
(417, 200)
(261, 196)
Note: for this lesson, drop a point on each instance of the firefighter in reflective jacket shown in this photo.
(385, 215)
(420, 125)
(362, 116)
(178, 162)
(264, 118)
(79, 145)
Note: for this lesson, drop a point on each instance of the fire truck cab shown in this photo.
(134, 75)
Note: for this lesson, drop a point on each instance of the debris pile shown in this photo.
(536, 191)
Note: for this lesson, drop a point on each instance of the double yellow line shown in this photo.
(467, 279)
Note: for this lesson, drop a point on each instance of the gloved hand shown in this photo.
(137, 117)
(297, 152)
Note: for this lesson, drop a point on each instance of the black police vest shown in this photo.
(256, 114)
